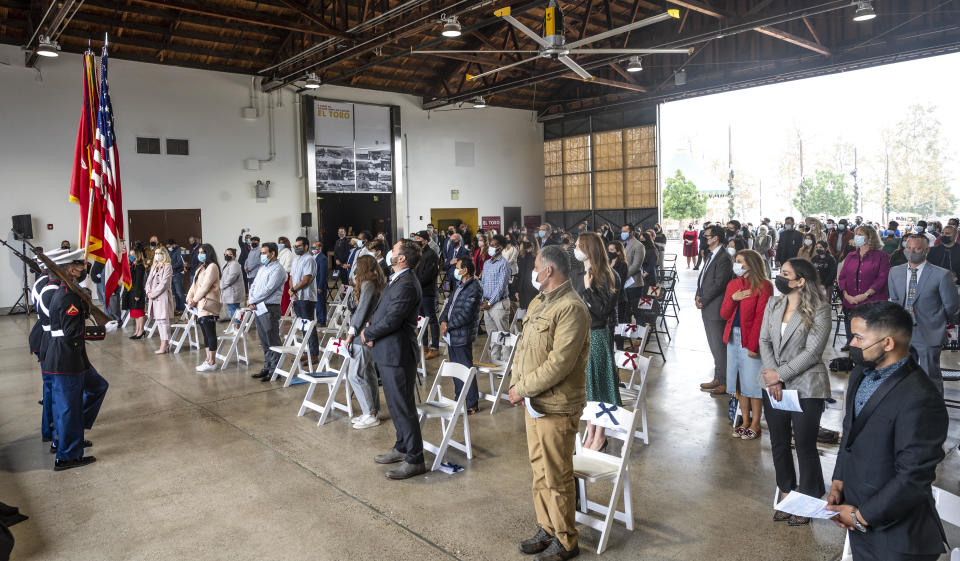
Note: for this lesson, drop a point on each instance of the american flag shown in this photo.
(106, 179)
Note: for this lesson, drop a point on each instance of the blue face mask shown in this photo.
(201, 257)
(132, 258)
(624, 236)
(264, 259)
(457, 275)
(542, 233)
(281, 245)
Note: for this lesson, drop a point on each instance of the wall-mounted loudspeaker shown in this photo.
(306, 219)
(23, 226)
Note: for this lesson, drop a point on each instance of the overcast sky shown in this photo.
(855, 105)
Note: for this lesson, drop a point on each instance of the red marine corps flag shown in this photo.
(80, 184)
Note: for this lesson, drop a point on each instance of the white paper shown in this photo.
(261, 309)
(446, 339)
(630, 282)
(790, 401)
(799, 504)
(530, 409)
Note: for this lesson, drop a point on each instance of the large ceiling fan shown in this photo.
(553, 45)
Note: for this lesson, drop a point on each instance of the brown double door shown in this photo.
(178, 224)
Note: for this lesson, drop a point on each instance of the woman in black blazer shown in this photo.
(521, 286)
(134, 299)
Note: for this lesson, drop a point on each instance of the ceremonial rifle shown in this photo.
(98, 315)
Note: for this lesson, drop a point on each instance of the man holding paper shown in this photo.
(550, 368)
(265, 295)
(893, 435)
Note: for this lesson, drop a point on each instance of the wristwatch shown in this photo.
(856, 521)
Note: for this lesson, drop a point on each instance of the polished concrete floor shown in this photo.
(218, 466)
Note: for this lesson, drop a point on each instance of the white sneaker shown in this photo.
(358, 418)
(206, 367)
(366, 422)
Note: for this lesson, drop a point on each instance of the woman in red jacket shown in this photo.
(743, 306)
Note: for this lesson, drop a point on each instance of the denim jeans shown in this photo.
(428, 309)
(321, 308)
(232, 309)
(304, 309)
(741, 366)
(464, 355)
(178, 294)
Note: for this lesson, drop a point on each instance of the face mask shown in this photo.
(808, 242)
(132, 258)
(83, 276)
(731, 251)
(581, 256)
(624, 236)
(821, 251)
(946, 239)
(390, 258)
(201, 257)
(533, 280)
(859, 240)
(152, 244)
(457, 274)
(281, 245)
(738, 269)
(315, 251)
(918, 229)
(299, 250)
(228, 257)
(492, 251)
(788, 226)
(830, 226)
(841, 227)
(341, 235)
(254, 244)
(856, 355)
(611, 255)
(915, 257)
(542, 233)
(264, 259)
(783, 284)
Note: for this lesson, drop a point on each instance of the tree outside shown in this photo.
(918, 173)
(825, 193)
(681, 200)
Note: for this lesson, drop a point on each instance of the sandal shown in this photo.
(750, 434)
(738, 433)
(798, 520)
(780, 516)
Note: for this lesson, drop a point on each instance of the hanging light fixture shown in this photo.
(312, 81)
(635, 65)
(680, 78)
(479, 102)
(864, 11)
(48, 47)
(451, 26)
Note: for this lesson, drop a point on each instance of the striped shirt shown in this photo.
(268, 286)
(495, 280)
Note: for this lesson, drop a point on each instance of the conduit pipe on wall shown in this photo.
(273, 147)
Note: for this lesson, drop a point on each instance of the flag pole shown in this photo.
(86, 232)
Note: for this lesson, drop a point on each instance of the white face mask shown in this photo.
(808, 242)
(492, 251)
(581, 256)
(738, 269)
(732, 251)
(533, 280)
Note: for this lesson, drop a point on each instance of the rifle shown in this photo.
(98, 315)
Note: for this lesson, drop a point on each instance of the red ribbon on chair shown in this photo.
(646, 303)
(338, 343)
(654, 291)
(950, 328)
(630, 328)
(631, 358)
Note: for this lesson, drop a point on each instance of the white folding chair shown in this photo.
(634, 394)
(337, 321)
(517, 320)
(633, 332)
(421, 332)
(448, 411)
(149, 328)
(294, 345)
(497, 368)
(592, 466)
(339, 299)
(185, 331)
(126, 318)
(287, 317)
(948, 507)
(236, 340)
(333, 378)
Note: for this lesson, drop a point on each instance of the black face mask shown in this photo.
(612, 255)
(83, 276)
(67, 247)
(227, 257)
(946, 240)
(856, 355)
(783, 284)
(254, 244)
(153, 244)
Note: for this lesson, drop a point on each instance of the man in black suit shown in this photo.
(789, 242)
(392, 333)
(893, 435)
(716, 274)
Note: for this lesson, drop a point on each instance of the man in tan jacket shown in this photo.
(549, 374)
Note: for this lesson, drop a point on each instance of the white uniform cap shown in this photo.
(64, 257)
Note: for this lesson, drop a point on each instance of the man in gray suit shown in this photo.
(929, 294)
(716, 273)
(635, 253)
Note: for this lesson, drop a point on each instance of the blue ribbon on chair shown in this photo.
(502, 336)
(608, 410)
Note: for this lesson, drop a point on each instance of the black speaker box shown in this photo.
(23, 226)
(306, 219)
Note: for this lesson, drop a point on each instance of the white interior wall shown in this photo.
(38, 122)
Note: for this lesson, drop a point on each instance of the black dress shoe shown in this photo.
(261, 374)
(60, 465)
(556, 552)
(407, 470)
(53, 447)
(46, 439)
(266, 377)
(390, 457)
(537, 543)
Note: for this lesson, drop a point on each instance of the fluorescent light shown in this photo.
(864, 11)
(312, 82)
(48, 48)
(479, 102)
(451, 27)
(635, 65)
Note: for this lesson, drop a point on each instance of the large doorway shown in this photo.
(178, 224)
(356, 212)
(444, 217)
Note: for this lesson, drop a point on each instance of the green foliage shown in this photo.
(681, 199)
(825, 193)
(918, 174)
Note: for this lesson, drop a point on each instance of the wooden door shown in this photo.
(178, 224)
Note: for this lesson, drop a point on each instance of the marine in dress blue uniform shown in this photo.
(77, 389)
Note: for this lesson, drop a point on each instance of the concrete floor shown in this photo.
(218, 466)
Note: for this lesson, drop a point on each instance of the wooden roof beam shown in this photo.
(606, 82)
(311, 17)
(246, 17)
(703, 8)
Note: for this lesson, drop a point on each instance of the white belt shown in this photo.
(45, 327)
(56, 333)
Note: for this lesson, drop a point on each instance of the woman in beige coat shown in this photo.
(160, 294)
(204, 294)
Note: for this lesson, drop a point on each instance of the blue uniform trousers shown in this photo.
(46, 417)
(321, 307)
(76, 403)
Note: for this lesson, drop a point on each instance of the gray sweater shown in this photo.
(363, 309)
